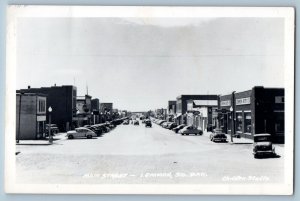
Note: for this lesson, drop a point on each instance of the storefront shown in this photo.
(259, 110)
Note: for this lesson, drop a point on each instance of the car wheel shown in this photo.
(70, 137)
(89, 136)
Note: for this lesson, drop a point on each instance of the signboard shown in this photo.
(242, 101)
(226, 103)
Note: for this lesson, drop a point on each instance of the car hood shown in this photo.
(70, 132)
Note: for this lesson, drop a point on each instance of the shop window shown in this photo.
(279, 123)
(239, 122)
(247, 122)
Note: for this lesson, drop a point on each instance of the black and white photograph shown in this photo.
(150, 100)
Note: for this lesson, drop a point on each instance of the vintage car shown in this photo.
(126, 122)
(148, 123)
(136, 122)
(54, 129)
(81, 132)
(218, 135)
(171, 125)
(176, 129)
(187, 130)
(262, 145)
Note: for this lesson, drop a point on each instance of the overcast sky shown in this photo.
(140, 64)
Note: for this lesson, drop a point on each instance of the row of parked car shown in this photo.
(216, 136)
(90, 131)
(181, 129)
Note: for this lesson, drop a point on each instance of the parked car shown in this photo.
(161, 122)
(136, 123)
(126, 122)
(218, 135)
(171, 125)
(81, 132)
(190, 130)
(54, 129)
(262, 145)
(148, 123)
(96, 130)
(165, 124)
(176, 129)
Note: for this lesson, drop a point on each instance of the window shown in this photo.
(279, 122)
(41, 105)
(239, 122)
(247, 122)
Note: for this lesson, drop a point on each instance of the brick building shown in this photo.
(62, 99)
(259, 110)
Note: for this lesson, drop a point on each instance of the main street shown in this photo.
(135, 154)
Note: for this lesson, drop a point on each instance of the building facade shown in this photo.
(106, 110)
(62, 99)
(171, 110)
(259, 110)
(84, 110)
(30, 116)
(198, 101)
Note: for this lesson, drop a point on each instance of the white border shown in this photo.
(15, 12)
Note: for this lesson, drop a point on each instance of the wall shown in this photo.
(27, 121)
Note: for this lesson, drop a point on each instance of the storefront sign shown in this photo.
(226, 103)
(242, 101)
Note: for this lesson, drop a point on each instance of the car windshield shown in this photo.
(262, 139)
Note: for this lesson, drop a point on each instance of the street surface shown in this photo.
(134, 154)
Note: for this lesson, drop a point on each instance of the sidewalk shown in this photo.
(58, 136)
(235, 140)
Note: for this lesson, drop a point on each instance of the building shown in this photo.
(171, 110)
(30, 116)
(84, 110)
(204, 105)
(96, 110)
(106, 110)
(202, 114)
(259, 110)
(95, 104)
(62, 99)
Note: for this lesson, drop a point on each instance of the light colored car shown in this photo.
(187, 130)
(81, 132)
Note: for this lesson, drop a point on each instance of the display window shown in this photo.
(247, 122)
(239, 122)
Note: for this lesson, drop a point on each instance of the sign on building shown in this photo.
(243, 101)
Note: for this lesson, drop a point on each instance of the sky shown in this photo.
(141, 63)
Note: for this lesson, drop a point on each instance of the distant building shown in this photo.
(30, 116)
(84, 110)
(95, 104)
(62, 99)
(96, 110)
(197, 110)
(171, 110)
(259, 110)
(106, 110)
(106, 107)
